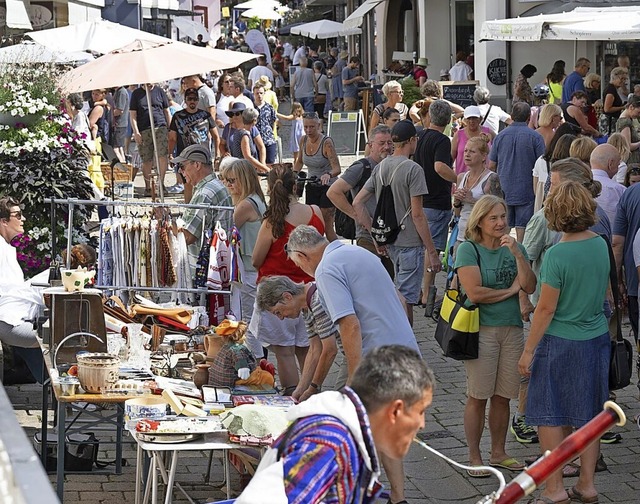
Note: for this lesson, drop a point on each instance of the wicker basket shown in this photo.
(119, 175)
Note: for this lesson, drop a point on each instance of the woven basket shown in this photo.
(97, 371)
(119, 175)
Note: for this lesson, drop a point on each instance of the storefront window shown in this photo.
(464, 26)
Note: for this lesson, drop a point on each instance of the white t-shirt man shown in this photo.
(258, 71)
(300, 52)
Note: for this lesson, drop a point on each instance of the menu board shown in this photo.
(460, 93)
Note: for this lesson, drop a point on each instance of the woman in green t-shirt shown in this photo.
(493, 268)
(567, 351)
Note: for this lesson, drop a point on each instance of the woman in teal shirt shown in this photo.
(567, 351)
(493, 268)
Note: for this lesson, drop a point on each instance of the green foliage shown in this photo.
(411, 91)
(306, 15)
(254, 23)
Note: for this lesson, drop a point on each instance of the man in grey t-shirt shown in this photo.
(408, 185)
(350, 78)
(380, 146)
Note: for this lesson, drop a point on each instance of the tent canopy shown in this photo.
(324, 29)
(32, 52)
(582, 23)
(261, 13)
(190, 28)
(357, 16)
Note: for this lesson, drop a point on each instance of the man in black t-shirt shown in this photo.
(141, 126)
(189, 126)
(433, 153)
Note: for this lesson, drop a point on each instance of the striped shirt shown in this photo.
(322, 461)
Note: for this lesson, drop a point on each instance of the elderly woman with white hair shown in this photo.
(392, 90)
(492, 115)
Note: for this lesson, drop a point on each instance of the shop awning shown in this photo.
(357, 16)
(17, 16)
(582, 23)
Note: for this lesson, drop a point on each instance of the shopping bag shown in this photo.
(458, 329)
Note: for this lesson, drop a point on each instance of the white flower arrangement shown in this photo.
(23, 103)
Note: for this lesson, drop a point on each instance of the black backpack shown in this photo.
(385, 227)
(345, 225)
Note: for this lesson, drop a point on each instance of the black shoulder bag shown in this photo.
(621, 362)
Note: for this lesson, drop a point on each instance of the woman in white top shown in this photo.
(492, 115)
(477, 181)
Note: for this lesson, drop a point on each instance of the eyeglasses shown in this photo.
(17, 214)
(230, 180)
(635, 170)
(398, 92)
(310, 115)
(289, 251)
(191, 98)
(226, 81)
(383, 143)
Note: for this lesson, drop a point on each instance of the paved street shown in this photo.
(429, 478)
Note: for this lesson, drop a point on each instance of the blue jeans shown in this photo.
(307, 103)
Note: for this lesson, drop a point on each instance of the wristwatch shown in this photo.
(315, 386)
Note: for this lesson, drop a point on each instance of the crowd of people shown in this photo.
(559, 171)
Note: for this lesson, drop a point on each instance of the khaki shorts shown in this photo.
(495, 371)
(350, 103)
(145, 149)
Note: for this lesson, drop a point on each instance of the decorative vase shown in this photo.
(97, 371)
(201, 377)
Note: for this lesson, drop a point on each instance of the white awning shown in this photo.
(356, 17)
(17, 16)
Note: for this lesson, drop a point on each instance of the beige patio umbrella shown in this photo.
(143, 62)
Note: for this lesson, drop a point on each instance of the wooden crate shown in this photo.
(119, 175)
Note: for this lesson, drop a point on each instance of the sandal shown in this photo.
(576, 496)
(547, 500)
(478, 473)
(510, 464)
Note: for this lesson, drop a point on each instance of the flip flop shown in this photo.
(576, 496)
(571, 470)
(478, 473)
(547, 500)
(509, 464)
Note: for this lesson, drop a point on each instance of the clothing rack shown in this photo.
(72, 202)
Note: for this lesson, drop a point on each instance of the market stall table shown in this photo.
(61, 403)
(156, 451)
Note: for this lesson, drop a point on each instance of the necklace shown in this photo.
(467, 184)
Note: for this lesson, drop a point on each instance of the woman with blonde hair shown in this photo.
(493, 377)
(474, 183)
(549, 119)
(392, 90)
(622, 145)
(612, 105)
(581, 148)
(243, 184)
(569, 326)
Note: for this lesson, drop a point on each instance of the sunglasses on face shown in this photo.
(230, 180)
(17, 214)
(235, 114)
(191, 98)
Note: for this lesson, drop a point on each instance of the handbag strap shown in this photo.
(613, 279)
(463, 296)
(484, 119)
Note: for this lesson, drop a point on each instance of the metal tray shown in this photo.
(167, 438)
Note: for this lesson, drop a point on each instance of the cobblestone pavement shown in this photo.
(429, 478)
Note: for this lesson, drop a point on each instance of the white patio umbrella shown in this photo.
(324, 29)
(98, 36)
(143, 62)
(259, 4)
(32, 52)
(191, 28)
(261, 13)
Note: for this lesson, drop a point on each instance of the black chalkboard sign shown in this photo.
(344, 129)
(460, 93)
(497, 72)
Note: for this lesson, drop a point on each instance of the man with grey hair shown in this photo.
(604, 163)
(513, 154)
(285, 298)
(433, 153)
(361, 299)
(491, 115)
(330, 451)
(353, 179)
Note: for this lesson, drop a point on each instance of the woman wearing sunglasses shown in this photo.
(19, 302)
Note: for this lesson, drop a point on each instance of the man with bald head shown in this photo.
(604, 163)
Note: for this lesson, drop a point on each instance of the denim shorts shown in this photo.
(272, 152)
(519, 215)
(438, 226)
(408, 263)
(569, 381)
